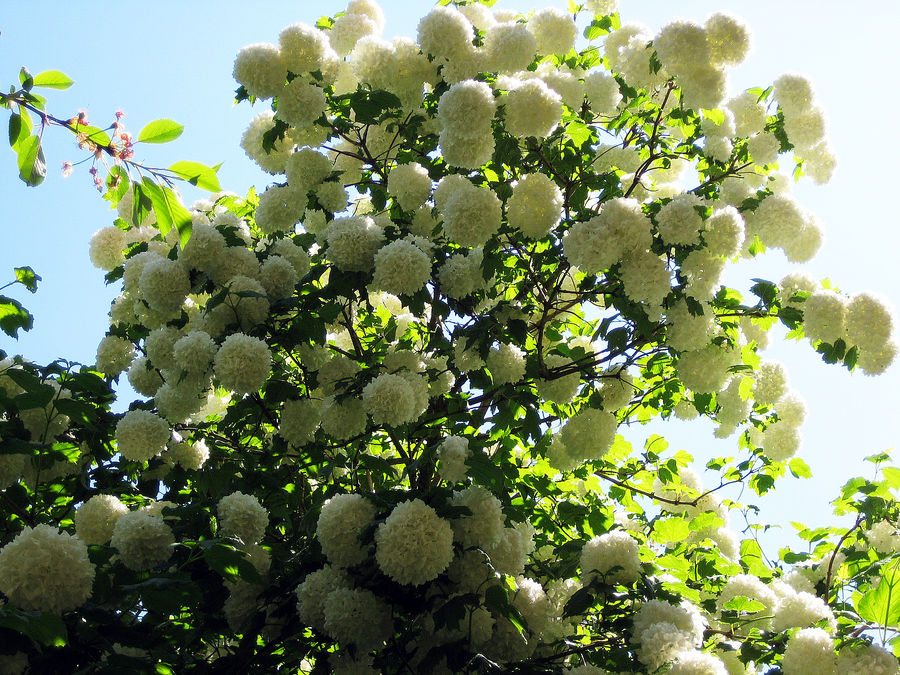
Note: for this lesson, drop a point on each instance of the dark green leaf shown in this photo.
(231, 563)
(160, 131)
(45, 628)
(13, 317)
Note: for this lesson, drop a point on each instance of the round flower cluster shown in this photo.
(299, 421)
(203, 248)
(96, 518)
(301, 103)
(390, 400)
(706, 370)
(870, 322)
(614, 556)
(190, 456)
(252, 143)
(723, 232)
(602, 92)
(243, 517)
(589, 434)
(646, 279)
(535, 206)
(305, 169)
(697, 663)
(361, 18)
(445, 32)
(409, 184)
(558, 389)
(866, 659)
(461, 274)
(311, 594)
(164, 285)
(114, 354)
(341, 521)
(343, 420)
(106, 248)
(143, 540)
(194, 352)
(46, 570)
(305, 49)
(509, 47)
(506, 363)
(141, 435)
(597, 244)
(357, 617)
(800, 610)
(242, 364)
(532, 109)
(353, 242)
(771, 383)
(825, 316)
(287, 249)
(471, 214)
(465, 112)
(280, 208)
(260, 70)
(663, 631)
(485, 525)
(554, 30)
(809, 650)
(679, 222)
(453, 452)
(401, 268)
(413, 545)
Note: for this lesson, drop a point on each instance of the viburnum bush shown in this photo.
(383, 399)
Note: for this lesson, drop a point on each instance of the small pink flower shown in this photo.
(67, 169)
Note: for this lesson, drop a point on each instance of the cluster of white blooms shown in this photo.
(242, 364)
(532, 109)
(620, 229)
(453, 452)
(141, 435)
(190, 456)
(353, 242)
(866, 659)
(749, 586)
(679, 221)
(45, 570)
(194, 352)
(614, 556)
(96, 518)
(114, 354)
(485, 525)
(461, 274)
(465, 112)
(358, 617)
(401, 268)
(472, 214)
(535, 206)
(589, 434)
(413, 545)
(663, 631)
(311, 594)
(800, 609)
(299, 421)
(391, 399)
(506, 363)
(558, 389)
(106, 248)
(142, 539)
(342, 519)
(809, 650)
(870, 326)
(804, 124)
(242, 516)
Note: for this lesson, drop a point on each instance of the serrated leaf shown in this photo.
(14, 316)
(27, 277)
(741, 603)
(160, 131)
(200, 175)
(799, 468)
(881, 605)
(231, 563)
(53, 79)
(45, 628)
(671, 530)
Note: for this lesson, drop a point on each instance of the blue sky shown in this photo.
(175, 61)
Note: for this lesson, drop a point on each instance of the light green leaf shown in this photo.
(671, 530)
(53, 79)
(799, 468)
(27, 277)
(743, 604)
(13, 317)
(160, 131)
(198, 174)
(881, 605)
(32, 165)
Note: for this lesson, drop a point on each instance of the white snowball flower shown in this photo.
(341, 521)
(401, 268)
(485, 526)
(141, 435)
(453, 452)
(299, 421)
(602, 92)
(554, 30)
(866, 660)
(357, 617)
(311, 594)
(190, 456)
(809, 650)
(242, 516)
(242, 364)
(390, 400)
(114, 354)
(301, 103)
(260, 69)
(106, 248)
(471, 215)
(509, 47)
(142, 540)
(409, 184)
(46, 570)
(353, 242)
(535, 206)
(96, 518)
(194, 352)
(613, 556)
(164, 285)
(413, 545)
(506, 363)
(532, 109)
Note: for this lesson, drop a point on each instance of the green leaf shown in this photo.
(13, 317)
(799, 468)
(579, 132)
(19, 130)
(93, 134)
(169, 210)
(198, 174)
(740, 603)
(881, 605)
(32, 165)
(27, 277)
(25, 78)
(706, 521)
(231, 563)
(160, 131)
(45, 628)
(671, 530)
(53, 79)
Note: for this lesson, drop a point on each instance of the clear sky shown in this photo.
(174, 59)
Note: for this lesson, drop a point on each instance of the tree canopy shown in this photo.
(382, 399)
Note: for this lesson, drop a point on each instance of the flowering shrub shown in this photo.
(382, 402)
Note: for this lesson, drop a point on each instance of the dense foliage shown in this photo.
(382, 400)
